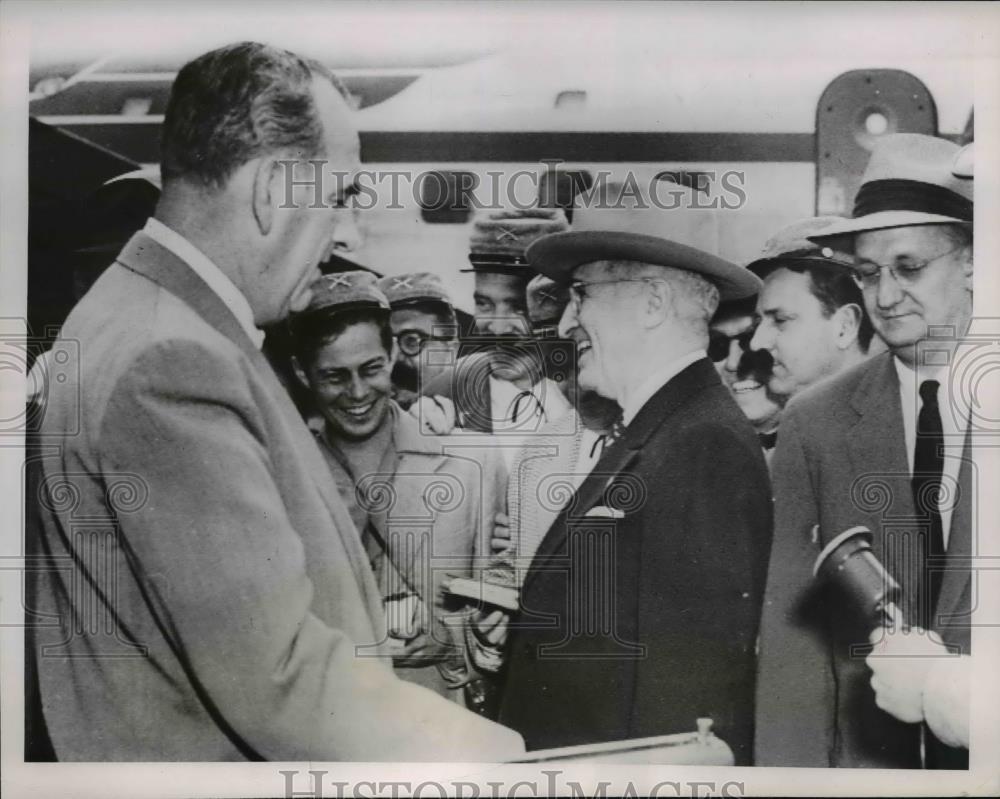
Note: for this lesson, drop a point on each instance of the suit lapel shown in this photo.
(961, 548)
(619, 458)
(877, 446)
(877, 443)
(148, 258)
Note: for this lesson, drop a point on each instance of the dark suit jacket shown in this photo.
(841, 461)
(638, 625)
(206, 595)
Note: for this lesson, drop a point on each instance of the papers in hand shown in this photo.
(487, 590)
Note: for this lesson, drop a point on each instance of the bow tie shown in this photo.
(768, 440)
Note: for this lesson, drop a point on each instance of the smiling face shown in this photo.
(603, 325)
(746, 372)
(303, 232)
(939, 294)
(349, 376)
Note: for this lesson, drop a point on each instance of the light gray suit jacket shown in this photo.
(841, 461)
(206, 595)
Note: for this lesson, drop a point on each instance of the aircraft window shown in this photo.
(445, 196)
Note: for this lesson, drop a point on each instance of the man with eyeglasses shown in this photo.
(883, 445)
(425, 328)
(744, 371)
(640, 606)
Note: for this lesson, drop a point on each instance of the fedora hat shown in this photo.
(909, 181)
(626, 222)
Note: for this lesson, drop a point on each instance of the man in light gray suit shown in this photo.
(879, 446)
(206, 595)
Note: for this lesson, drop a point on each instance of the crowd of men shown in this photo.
(638, 458)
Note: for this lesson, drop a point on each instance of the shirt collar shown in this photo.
(203, 266)
(655, 381)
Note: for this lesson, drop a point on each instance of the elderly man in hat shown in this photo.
(422, 512)
(880, 446)
(425, 327)
(501, 387)
(234, 599)
(651, 577)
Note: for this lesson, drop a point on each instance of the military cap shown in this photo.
(499, 240)
(793, 243)
(546, 300)
(402, 290)
(343, 291)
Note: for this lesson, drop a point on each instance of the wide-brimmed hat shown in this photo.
(623, 222)
(793, 245)
(909, 181)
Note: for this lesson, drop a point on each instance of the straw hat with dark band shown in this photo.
(909, 180)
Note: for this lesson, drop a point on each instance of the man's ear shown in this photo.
(967, 265)
(659, 302)
(848, 325)
(300, 373)
(264, 194)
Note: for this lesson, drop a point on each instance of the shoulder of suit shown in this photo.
(819, 401)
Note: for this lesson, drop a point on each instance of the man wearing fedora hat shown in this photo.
(881, 446)
(649, 580)
(422, 512)
(501, 387)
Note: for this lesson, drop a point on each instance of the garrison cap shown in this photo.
(499, 240)
(343, 291)
(546, 300)
(414, 287)
(792, 243)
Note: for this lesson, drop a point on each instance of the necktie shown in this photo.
(768, 440)
(928, 465)
(528, 402)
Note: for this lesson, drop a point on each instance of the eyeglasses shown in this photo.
(412, 342)
(578, 288)
(867, 274)
(718, 343)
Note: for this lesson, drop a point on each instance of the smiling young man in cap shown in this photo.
(422, 512)
(881, 446)
(666, 538)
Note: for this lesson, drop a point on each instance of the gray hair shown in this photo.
(695, 298)
(232, 104)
